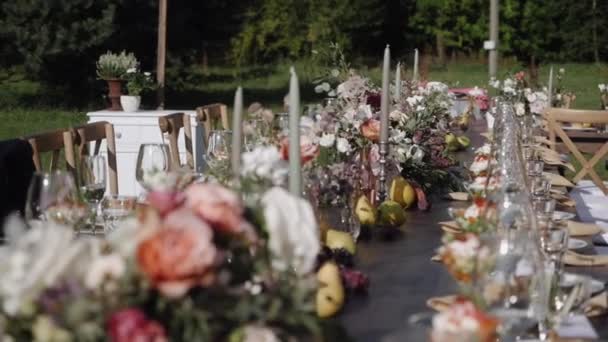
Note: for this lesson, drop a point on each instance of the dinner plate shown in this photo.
(570, 128)
(562, 215)
(576, 243)
(571, 278)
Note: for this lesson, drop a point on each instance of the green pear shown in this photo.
(330, 294)
(336, 239)
(365, 211)
(391, 214)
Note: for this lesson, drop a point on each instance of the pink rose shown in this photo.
(308, 149)
(132, 325)
(520, 75)
(220, 207)
(179, 256)
(371, 130)
(165, 201)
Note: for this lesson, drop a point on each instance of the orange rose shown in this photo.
(308, 149)
(179, 256)
(220, 207)
(371, 130)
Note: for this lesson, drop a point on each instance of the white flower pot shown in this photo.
(130, 103)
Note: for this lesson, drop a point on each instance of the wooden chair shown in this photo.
(81, 136)
(210, 114)
(556, 116)
(171, 125)
(54, 142)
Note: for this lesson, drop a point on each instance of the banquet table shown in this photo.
(403, 276)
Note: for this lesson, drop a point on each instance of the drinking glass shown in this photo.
(535, 168)
(93, 182)
(554, 242)
(115, 209)
(218, 151)
(54, 197)
(255, 132)
(152, 160)
(541, 187)
(281, 123)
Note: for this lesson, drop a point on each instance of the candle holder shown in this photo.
(382, 193)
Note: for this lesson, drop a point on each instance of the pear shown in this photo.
(395, 192)
(366, 213)
(408, 196)
(464, 141)
(391, 213)
(330, 294)
(336, 239)
(450, 138)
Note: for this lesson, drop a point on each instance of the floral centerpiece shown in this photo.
(464, 256)
(479, 217)
(200, 265)
(463, 322)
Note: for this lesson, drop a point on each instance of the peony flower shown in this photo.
(265, 162)
(322, 88)
(179, 256)
(132, 325)
(414, 100)
(105, 267)
(293, 235)
(343, 145)
(308, 149)
(371, 130)
(219, 207)
(520, 109)
(165, 201)
(327, 140)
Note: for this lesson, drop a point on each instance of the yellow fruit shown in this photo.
(366, 213)
(408, 196)
(391, 214)
(450, 138)
(337, 239)
(330, 294)
(396, 191)
(464, 141)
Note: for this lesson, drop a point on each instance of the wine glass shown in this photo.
(54, 197)
(218, 151)
(93, 183)
(255, 132)
(554, 242)
(152, 161)
(115, 209)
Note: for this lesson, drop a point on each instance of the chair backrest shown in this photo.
(170, 125)
(210, 114)
(52, 141)
(555, 116)
(81, 136)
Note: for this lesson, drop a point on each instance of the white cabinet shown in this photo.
(136, 128)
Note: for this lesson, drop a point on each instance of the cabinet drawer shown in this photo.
(127, 134)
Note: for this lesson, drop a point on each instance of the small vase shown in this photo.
(130, 103)
(114, 92)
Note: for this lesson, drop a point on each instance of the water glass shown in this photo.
(569, 296)
(217, 155)
(152, 160)
(535, 167)
(281, 123)
(54, 197)
(541, 187)
(93, 182)
(115, 209)
(554, 242)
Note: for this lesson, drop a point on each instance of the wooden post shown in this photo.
(493, 54)
(161, 52)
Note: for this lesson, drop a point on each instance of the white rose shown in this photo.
(322, 88)
(293, 235)
(562, 70)
(147, 74)
(602, 87)
(398, 115)
(105, 267)
(259, 333)
(335, 72)
(343, 145)
(520, 109)
(131, 71)
(327, 140)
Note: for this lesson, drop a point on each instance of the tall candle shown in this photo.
(398, 83)
(384, 103)
(550, 87)
(415, 76)
(295, 186)
(237, 131)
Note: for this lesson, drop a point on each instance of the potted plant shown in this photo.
(112, 67)
(137, 82)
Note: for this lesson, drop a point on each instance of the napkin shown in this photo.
(557, 180)
(582, 229)
(553, 158)
(458, 196)
(577, 326)
(597, 305)
(543, 140)
(575, 259)
(441, 303)
(601, 239)
(450, 227)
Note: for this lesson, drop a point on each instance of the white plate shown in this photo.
(576, 243)
(570, 278)
(562, 215)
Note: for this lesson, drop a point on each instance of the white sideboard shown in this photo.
(132, 129)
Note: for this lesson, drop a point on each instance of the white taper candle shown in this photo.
(385, 100)
(237, 131)
(398, 83)
(415, 73)
(550, 87)
(295, 180)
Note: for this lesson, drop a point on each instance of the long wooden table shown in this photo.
(403, 276)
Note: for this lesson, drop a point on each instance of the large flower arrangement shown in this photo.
(199, 265)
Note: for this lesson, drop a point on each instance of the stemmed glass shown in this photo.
(152, 161)
(93, 183)
(218, 151)
(115, 209)
(53, 197)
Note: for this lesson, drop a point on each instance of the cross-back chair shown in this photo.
(209, 115)
(556, 117)
(53, 142)
(81, 136)
(170, 125)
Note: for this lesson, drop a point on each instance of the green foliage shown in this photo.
(138, 82)
(115, 66)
